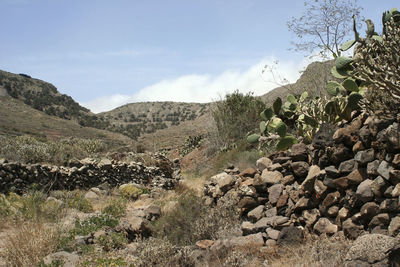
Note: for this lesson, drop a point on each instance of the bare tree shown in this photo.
(324, 25)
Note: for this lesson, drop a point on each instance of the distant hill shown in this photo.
(45, 97)
(137, 119)
(17, 118)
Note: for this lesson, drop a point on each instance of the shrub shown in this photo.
(130, 191)
(237, 115)
(191, 221)
(76, 200)
(115, 207)
(112, 241)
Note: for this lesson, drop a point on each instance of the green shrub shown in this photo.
(112, 241)
(130, 191)
(76, 200)
(236, 115)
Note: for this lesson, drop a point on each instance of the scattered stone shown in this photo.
(356, 177)
(332, 171)
(300, 168)
(247, 241)
(263, 163)
(308, 184)
(396, 191)
(331, 199)
(369, 210)
(365, 156)
(384, 169)
(364, 191)
(351, 230)
(381, 220)
(90, 195)
(274, 192)
(249, 172)
(333, 211)
(204, 244)
(256, 214)
(282, 201)
(267, 178)
(287, 180)
(324, 226)
(347, 166)
(372, 168)
(223, 180)
(299, 152)
(290, 235)
(302, 204)
(394, 226)
(272, 233)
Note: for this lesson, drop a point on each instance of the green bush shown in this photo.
(115, 207)
(76, 200)
(112, 241)
(236, 115)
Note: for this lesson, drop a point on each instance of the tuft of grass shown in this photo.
(115, 207)
(29, 243)
(130, 191)
(112, 241)
(76, 200)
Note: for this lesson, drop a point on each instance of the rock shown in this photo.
(249, 172)
(275, 167)
(331, 199)
(274, 192)
(281, 160)
(333, 211)
(247, 203)
(365, 156)
(256, 214)
(68, 259)
(105, 164)
(324, 226)
(372, 168)
(396, 191)
(390, 137)
(358, 146)
(381, 220)
(273, 222)
(271, 212)
(299, 152)
(388, 191)
(369, 210)
(248, 228)
(356, 177)
(267, 178)
(347, 166)
(324, 136)
(135, 227)
(346, 134)
(364, 191)
(365, 135)
(340, 154)
(272, 233)
(370, 249)
(224, 181)
(396, 161)
(152, 212)
(394, 226)
(270, 243)
(341, 183)
(394, 177)
(282, 201)
(308, 184)
(332, 171)
(300, 168)
(384, 169)
(343, 214)
(287, 180)
(263, 163)
(204, 244)
(248, 241)
(310, 216)
(290, 235)
(389, 205)
(320, 189)
(302, 204)
(378, 186)
(90, 195)
(351, 230)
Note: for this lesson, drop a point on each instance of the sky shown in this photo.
(106, 53)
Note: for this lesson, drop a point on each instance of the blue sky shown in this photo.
(107, 53)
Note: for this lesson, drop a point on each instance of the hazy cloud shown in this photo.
(205, 87)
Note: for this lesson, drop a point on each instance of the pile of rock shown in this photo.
(85, 174)
(347, 181)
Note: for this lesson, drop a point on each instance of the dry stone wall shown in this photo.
(85, 174)
(346, 182)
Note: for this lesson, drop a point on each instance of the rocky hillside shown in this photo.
(17, 118)
(136, 119)
(45, 97)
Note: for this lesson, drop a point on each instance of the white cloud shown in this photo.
(206, 87)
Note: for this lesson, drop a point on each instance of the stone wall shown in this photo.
(347, 181)
(85, 174)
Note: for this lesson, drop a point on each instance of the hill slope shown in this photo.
(45, 97)
(17, 118)
(141, 118)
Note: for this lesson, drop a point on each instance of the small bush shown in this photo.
(115, 208)
(76, 200)
(191, 221)
(93, 223)
(112, 241)
(130, 191)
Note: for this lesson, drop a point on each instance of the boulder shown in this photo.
(290, 235)
(256, 214)
(347, 166)
(266, 179)
(299, 152)
(351, 230)
(384, 169)
(274, 192)
(300, 168)
(364, 191)
(394, 226)
(249, 172)
(272, 233)
(365, 156)
(308, 184)
(370, 249)
(223, 180)
(263, 163)
(252, 240)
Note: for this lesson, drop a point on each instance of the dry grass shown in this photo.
(29, 242)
